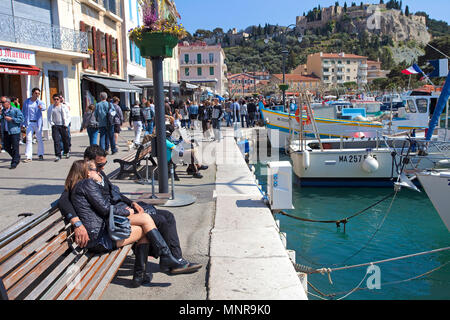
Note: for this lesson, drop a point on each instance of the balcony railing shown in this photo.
(196, 62)
(26, 31)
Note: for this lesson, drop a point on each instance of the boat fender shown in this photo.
(370, 164)
(267, 121)
(443, 164)
(306, 159)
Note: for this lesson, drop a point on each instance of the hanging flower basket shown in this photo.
(283, 87)
(157, 44)
(160, 31)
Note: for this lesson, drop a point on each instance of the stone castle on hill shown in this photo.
(372, 18)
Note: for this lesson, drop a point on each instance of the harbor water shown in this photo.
(410, 226)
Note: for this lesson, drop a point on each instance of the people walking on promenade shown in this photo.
(149, 116)
(204, 116)
(118, 118)
(244, 113)
(33, 122)
(65, 103)
(193, 114)
(216, 118)
(90, 124)
(235, 109)
(251, 109)
(136, 122)
(103, 114)
(184, 114)
(178, 118)
(58, 118)
(10, 121)
(167, 107)
(228, 111)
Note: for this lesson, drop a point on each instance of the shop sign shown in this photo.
(17, 56)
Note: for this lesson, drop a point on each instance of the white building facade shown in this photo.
(204, 65)
(135, 63)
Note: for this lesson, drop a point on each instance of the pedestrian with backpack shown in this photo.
(118, 119)
(91, 124)
(149, 115)
(136, 122)
(105, 113)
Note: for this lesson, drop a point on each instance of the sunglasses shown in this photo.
(101, 165)
(93, 169)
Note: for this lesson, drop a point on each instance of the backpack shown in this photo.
(148, 113)
(111, 114)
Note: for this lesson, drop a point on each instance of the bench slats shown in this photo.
(97, 277)
(28, 265)
(109, 276)
(25, 238)
(55, 274)
(80, 282)
(14, 292)
(30, 248)
(66, 279)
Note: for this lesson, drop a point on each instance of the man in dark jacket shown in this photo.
(164, 220)
(251, 109)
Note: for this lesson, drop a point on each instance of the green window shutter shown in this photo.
(186, 58)
(211, 71)
(199, 58)
(199, 71)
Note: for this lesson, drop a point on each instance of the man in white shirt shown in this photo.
(32, 112)
(58, 117)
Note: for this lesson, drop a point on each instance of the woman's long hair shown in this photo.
(78, 172)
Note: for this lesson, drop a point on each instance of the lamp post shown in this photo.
(284, 53)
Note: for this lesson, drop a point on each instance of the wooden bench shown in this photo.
(130, 163)
(40, 261)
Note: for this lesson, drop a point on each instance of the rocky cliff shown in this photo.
(399, 27)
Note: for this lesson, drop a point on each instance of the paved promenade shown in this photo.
(228, 229)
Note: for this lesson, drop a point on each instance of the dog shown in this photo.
(130, 145)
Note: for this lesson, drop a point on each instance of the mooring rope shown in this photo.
(344, 220)
(322, 270)
(324, 296)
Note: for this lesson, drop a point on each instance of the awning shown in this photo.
(19, 69)
(114, 85)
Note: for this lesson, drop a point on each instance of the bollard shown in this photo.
(172, 178)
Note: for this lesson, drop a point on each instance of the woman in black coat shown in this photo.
(93, 208)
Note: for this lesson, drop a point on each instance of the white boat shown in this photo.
(437, 186)
(414, 115)
(358, 162)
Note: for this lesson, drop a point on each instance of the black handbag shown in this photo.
(119, 227)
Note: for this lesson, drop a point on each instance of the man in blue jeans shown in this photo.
(10, 121)
(106, 129)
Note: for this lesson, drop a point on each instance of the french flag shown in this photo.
(414, 69)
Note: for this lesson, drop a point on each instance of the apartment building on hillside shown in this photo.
(335, 69)
(203, 65)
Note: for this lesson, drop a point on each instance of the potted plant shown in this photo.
(283, 86)
(160, 32)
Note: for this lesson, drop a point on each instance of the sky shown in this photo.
(239, 14)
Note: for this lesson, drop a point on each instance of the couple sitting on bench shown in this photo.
(86, 204)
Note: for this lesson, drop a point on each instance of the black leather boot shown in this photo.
(166, 260)
(139, 275)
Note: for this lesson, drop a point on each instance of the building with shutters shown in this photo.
(41, 45)
(135, 68)
(203, 65)
(105, 68)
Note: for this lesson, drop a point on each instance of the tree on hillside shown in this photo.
(407, 11)
(345, 6)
